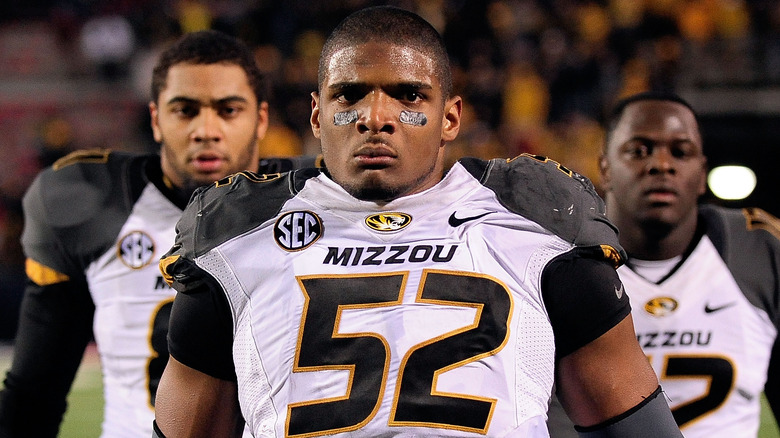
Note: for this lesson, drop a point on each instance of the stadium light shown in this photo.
(731, 182)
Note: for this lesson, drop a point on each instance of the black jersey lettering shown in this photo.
(685, 338)
(393, 255)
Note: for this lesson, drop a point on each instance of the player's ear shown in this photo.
(604, 172)
(154, 113)
(705, 168)
(453, 108)
(262, 120)
(315, 114)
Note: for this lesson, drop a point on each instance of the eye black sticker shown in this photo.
(413, 118)
(345, 117)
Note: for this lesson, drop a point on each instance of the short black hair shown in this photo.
(209, 47)
(613, 118)
(392, 25)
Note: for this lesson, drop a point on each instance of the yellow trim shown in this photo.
(611, 254)
(758, 219)
(82, 156)
(43, 275)
(164, 263)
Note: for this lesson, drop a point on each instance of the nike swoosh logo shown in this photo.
(456, 221)
(619, 292)
(708, 309)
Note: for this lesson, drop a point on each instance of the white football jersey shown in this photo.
(130, 301)
(423, 318)
(709, 345)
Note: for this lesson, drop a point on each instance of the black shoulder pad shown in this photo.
(235, 205)
(544, 191)
(748, 240)
(83, 200)
(82, 183)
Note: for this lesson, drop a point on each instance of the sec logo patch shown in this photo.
(297, 230)
(136, 249)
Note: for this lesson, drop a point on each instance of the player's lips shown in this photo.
(374, 155)
(207, 162)
(661, 194)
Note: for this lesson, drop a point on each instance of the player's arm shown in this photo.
(198, 392)
(55, 326)
(604, 381)
(608, 388)
(193, 404)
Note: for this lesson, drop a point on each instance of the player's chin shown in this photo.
(206, 178)
(372, 189)
(660, 219)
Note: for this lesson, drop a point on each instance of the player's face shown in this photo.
(654, 170)
(382, 121)
(207, 120)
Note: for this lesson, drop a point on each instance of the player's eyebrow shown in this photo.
(213, 102)
(341, 86)
(412, 85)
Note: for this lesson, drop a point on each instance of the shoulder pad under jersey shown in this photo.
(233, 206)
(79, 204)
(748, 240)
(560, 200)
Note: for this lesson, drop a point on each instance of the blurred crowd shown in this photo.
(536, 75)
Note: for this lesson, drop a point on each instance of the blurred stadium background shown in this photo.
(537, 76)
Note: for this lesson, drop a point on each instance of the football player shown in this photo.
(704, 281)
(384, 296)
(96, 224)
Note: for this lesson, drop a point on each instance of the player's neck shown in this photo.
(657, 241)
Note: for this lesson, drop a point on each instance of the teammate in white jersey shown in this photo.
(703, 280)
(96, 224)
(381, 297)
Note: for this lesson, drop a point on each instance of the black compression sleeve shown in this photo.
(55, 326)
(651, 418)
(584, 299)
(201, 330)
(156, 432)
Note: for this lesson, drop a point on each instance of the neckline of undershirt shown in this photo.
(654, 270)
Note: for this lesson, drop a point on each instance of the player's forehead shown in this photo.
(206, 82)
(656, 118)
(380, 63)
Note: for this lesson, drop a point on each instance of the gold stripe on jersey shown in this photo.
(254, 177)
(43, 275)
(611, 254)
(543, 159)
(758, 219)
(82, 156)
(155, 364)
(164, 263)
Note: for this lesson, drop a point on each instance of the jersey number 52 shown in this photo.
(367, 355)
